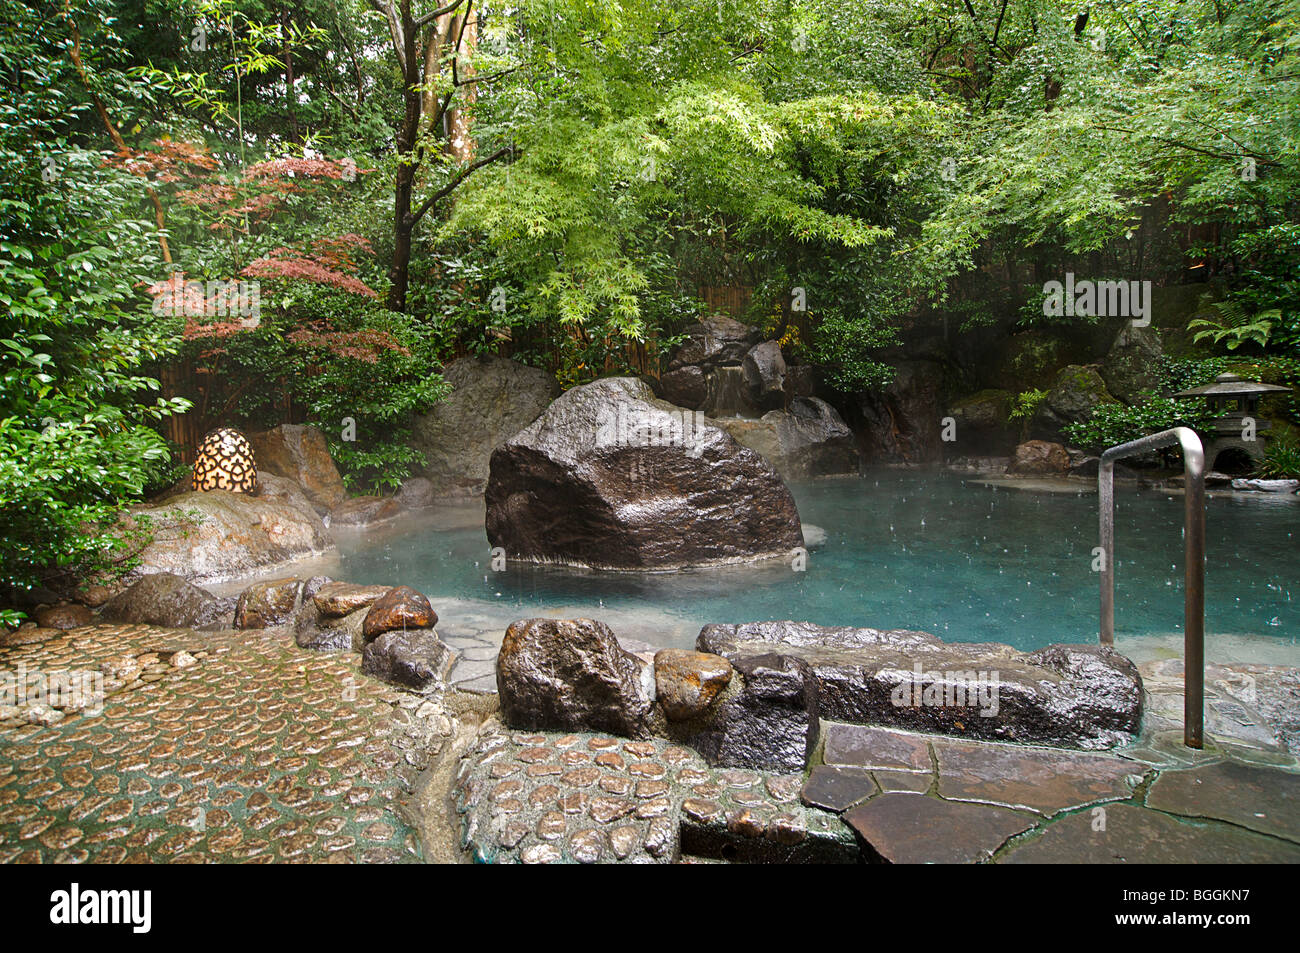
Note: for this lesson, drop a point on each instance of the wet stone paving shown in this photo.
(210, 747)
(238, 746)
(586, 798)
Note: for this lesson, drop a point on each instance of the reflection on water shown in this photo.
(956, 557)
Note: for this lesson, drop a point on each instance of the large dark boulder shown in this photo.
(572, 675)
(810, 439)
(713, 342)
(492, 399)
(764, 370)
(611, 478)
(902, 422)
(168, 600)
(1080, 696)
(685, 387)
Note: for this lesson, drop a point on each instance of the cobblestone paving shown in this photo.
(565, 798)
(229, 747)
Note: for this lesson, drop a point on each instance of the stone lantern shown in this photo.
(1237, 425)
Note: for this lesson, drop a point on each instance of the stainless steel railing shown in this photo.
(1193, 564)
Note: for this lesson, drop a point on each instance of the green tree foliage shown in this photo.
(75, 329)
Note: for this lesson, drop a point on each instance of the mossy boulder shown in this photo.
(1078, 389)
(1134, 363)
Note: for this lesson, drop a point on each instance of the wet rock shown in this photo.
(415, 658)
(570, 675)
(875, 748)
(1039, 458)
(416, 493)
(64, 617)
(1267, 486)
(910, 829)
(611, 478)
(685, 387)
(399, 608)
(902, 422)
(1133, 364)
(221, 535)
(764, 370)
(715, 341)
(834, 788)
(1079, 696)
(808, 440)
(93, 596)
(1136, 835)
(365, 510)
(492, 399)
(767, 720)
(301, 453)
(169, 600)
(982, 423)
(1260, 799)
(687, 683)
(267, 603)
(1036, 779)
(1077, 392)
(335, 599)
(313, 629)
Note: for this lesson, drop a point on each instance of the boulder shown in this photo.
(300, 453)
(1040, 458)
(687, 683)
(713, 342)
(313, 629)
(416, 493)
(902, 422)
(1077, 391)
(268, 603)
(219, 535)
(808, 440)
(93, 596)
(68, 616)
(365, 510)
(337, 599)
(1262, 486)
(492, 399)
(983, 423)
(685, 387)
(415, 659)
(764, 370)
(399, 608)
(169, 600)
(1133, 364)
(727, 393)
(610, 478)
(1074, 696)
(768, 720)
(572, 675)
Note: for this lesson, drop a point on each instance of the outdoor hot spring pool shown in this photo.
(954, 556)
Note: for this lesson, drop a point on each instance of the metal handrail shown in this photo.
(1193, 563)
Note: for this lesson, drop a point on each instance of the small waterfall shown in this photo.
(728, 394)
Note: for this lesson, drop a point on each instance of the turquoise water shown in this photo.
(956, 557)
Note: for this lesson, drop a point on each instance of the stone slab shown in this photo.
(837, 789)
(1135, 835)
(1261, 799)
(865, 747)
(906, 829)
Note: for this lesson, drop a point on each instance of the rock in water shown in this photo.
(1039, 458)
(267, 603)
(1077, 696)
(611, 478)
(572, 675)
